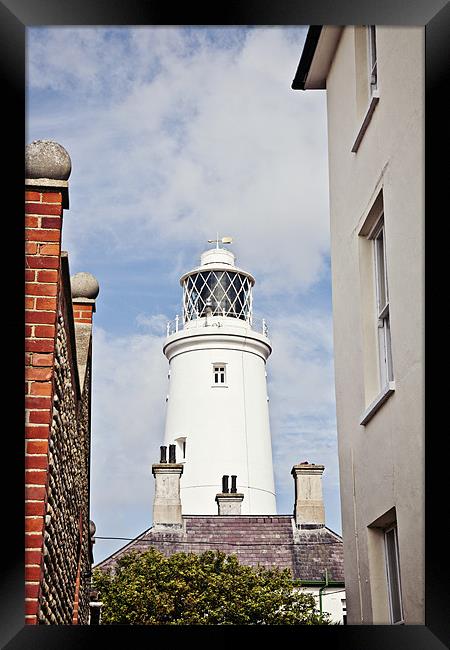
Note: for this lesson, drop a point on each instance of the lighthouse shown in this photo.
(217, 404)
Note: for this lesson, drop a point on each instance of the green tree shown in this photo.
(211, 588)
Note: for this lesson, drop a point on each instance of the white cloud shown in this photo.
(302, 410)
(154, 324)
(127, 428)
(209, 139)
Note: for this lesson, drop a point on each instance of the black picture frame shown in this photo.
(15, 17)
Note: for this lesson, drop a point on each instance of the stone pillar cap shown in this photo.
(47, 159)
(299, 467)
(84, 285)
(167, 467)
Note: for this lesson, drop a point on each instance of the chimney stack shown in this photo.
(229, 503)
(167, 501)
(309, 510)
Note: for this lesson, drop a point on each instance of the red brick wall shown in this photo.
(58, 555)
(43, 222)
(82, 312)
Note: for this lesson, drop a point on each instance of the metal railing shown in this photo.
(175, 325)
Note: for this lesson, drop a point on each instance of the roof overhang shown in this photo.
(315, 61)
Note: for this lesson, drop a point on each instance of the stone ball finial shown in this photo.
(84, 285)
(47, 159)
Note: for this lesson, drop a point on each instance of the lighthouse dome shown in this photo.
(217, 256)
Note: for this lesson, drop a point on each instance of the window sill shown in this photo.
(377, 403)
(366, 121)
(219, 386)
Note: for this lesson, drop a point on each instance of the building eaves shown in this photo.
(316, 58)
(309, 48)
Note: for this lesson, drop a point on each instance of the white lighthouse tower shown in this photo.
(217, 404)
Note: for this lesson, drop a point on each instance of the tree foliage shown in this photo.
(211, 588)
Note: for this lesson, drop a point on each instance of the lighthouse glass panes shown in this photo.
(217, 293)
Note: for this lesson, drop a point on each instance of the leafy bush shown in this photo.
(211, 588)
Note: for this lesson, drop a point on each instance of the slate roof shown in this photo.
(269, 540)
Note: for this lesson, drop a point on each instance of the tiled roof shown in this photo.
(270, 540)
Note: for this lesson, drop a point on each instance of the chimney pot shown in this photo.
(233, 483)
(163, 456)
(225, 484)
(172, 454)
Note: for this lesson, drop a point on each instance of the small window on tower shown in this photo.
(181, 451)
(219, 374)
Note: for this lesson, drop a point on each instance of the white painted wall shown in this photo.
(382, 463)
(227, 427)
(333, 601)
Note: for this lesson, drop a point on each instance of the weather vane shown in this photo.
(223, 240)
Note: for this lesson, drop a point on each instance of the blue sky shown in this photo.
(175, 134)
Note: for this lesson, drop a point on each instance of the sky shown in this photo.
(175, 134)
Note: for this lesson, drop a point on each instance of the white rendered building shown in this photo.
(217, 404)
(374, 77)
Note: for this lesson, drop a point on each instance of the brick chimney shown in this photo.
(167, 501)
(308, 509)
(229, 502)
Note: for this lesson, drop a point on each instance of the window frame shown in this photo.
(381, 383)
(367, 82)
(181, 447)
(219, 375)
(386, 368)
(372, 59)
(396, 558)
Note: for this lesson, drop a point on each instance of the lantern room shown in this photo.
(217, 288)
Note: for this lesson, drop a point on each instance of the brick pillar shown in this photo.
(45, 200)
(84, 289)
(83, 309)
